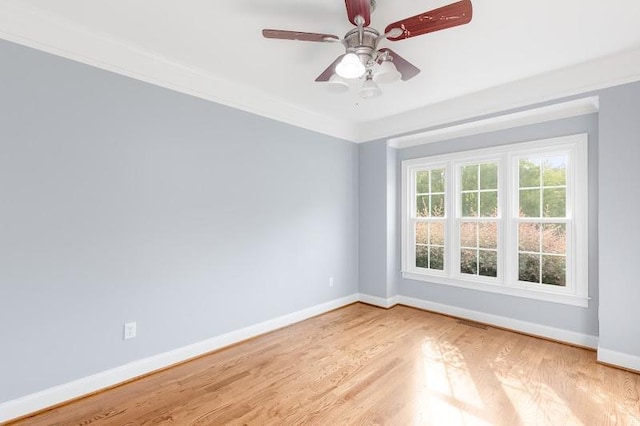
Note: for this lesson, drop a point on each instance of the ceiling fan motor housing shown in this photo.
(365, 48)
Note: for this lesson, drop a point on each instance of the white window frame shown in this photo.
(412, 246)
(455, 231)
(577, 267)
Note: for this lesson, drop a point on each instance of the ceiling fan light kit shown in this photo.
(363, 59)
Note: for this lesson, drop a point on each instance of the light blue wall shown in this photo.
(394, 257)
(378, 255)
(619, 230)
(122, 201)
(373, 219)
(578, 319)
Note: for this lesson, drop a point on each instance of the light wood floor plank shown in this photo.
(362, 365)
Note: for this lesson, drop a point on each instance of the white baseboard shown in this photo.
(378, 301)
(561, 335)
(620, 359)
(77, 388)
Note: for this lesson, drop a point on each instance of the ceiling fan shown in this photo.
(363, 58)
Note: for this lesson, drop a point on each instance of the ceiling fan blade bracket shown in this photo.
(383, 55)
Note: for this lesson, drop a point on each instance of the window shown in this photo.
(542, 219)
(479, 218)
(429, 219)
(510, 219)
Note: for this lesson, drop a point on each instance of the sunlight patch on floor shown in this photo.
(445, 391)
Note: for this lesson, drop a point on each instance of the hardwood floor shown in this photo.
(364, 365)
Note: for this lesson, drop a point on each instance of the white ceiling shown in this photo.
(513, 53)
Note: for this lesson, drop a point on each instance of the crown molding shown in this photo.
(568, 82)
(543, 114)
(32, 27)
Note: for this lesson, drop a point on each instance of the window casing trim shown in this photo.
(576, 291)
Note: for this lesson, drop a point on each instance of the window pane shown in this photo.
(469, 177)
(468, 262)
(529, 172)
(488, 235)
(437, 233)
(437, 258)
(488, 265)
(422, 205)
(421, 233)
(555, 171)
(529, 203)
(489, 176)
(470, 204)
(555, 202)
(422, 182)
(554, 270)
(554, 238)
(529, 268)
(529, 237)
(422, 257)
(437, 205)
(437, 180)
(489, 204)
(469, 234)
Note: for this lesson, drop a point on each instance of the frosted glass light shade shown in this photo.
(386, 73)
(350, 66)
(369, 89)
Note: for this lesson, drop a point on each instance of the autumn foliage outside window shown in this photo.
(430, 209)
(542, 231)
(478, 232)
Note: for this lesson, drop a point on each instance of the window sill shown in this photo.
(529, 293)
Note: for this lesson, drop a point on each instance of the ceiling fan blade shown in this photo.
(404, 67)
(297, 35)
(326, 74)
(434, 20)
(359, 8)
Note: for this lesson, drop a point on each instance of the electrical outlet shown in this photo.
(330, 281)
(129, 330)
